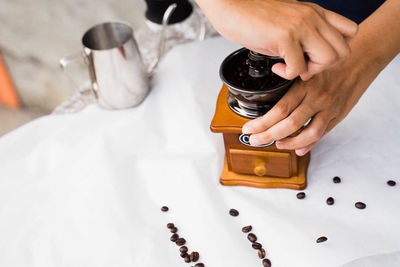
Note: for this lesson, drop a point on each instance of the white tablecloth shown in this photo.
(86, 189)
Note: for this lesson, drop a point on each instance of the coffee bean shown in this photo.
(180, 241)
(266, 263)
(337, 179)
(261, 253)
(199, 265)
(252, 237)
(391, 183)
(247, 229)
(322, 239)
(194, 256)
(174, 237)
(330, 201)
(183, 249)
(233, 212)
(174, 230)
(164, 208)
(360, 205)
(183, 254)
(170, 225)
(187, 259)
(301, 195)
(256, 245)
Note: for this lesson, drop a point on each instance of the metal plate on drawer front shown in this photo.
(245, 140)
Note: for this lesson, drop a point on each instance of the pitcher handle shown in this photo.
(161, 44)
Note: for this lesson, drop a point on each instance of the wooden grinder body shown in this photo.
(263, 167)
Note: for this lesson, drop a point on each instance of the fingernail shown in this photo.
(253, 140)
(247, 129)
(301, 151)
(279, 145)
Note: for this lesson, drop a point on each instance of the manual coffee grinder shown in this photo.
(250, 90)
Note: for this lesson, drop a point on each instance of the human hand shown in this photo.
(326, 98)
(309, 38)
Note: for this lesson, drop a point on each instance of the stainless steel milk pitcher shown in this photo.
(117, 74)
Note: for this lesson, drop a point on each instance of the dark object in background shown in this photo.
(156, 9)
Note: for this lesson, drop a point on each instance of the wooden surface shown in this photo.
(8, 95)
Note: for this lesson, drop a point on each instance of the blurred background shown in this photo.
(34, 36)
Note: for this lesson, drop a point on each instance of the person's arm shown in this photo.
(285, 28)
(329, 96)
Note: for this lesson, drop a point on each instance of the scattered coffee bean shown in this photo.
(233, 212)
(322, 239)
(174, 237)
(256, 245)
(360, 205)
(164, 208)
(187, 259)
(247, 229)
(391, 183)
(194, 256)
(180, 241)
(261, 253)
(199, 265)
(174, 230)
(266, 263)
(183, 249)
(301, 195)
(252, 237)
(330, 201)
(337, 179)
(183, 254)
(170, 225)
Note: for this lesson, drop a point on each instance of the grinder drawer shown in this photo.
(260, 163)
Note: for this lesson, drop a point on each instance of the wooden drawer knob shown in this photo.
(260, 169)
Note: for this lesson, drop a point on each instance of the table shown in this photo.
(86, 189)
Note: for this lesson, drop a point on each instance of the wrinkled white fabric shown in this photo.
(86, 189)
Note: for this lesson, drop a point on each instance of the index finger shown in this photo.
(280, 111)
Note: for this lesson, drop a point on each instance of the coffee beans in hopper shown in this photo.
(247, 229)
(360, 205)
(330, 201)
(233, 212)
(391, 183)
(322, 239)
(301, 195)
